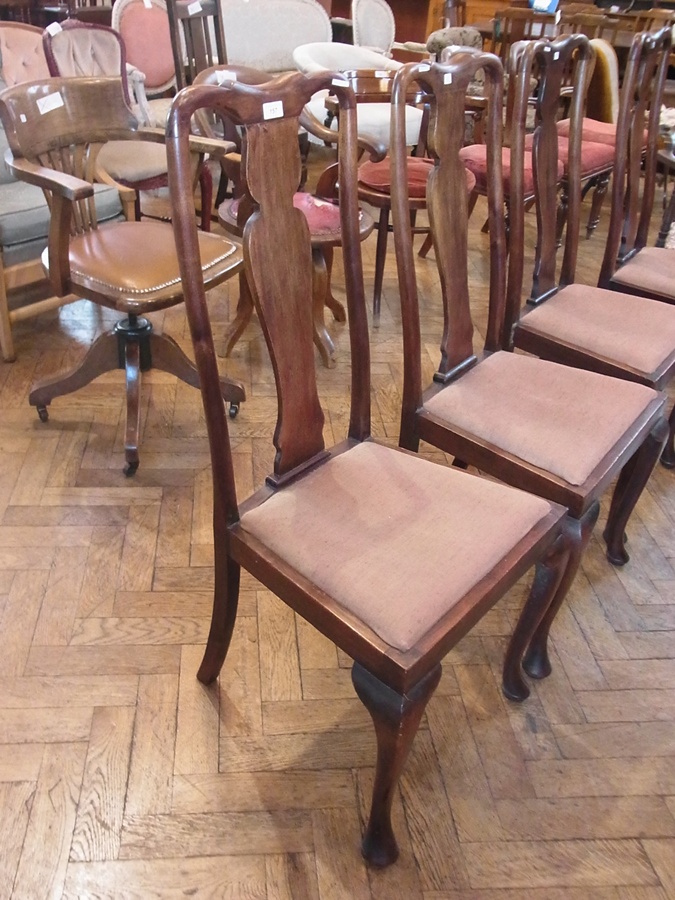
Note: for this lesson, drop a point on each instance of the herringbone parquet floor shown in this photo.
(122, 777)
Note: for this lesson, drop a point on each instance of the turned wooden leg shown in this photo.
(576, 535)
(380, 256)
(132, 358)
(396, 718)
(563, 205)
(225, 601)
(206, 190)
(6, 340)
(242, 317)
(168, 356)
(596, 203)
(426, 246)
(102, 356)
(628, 488)
(322, 340)
(668, 455)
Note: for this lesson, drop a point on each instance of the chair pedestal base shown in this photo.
(133, 346)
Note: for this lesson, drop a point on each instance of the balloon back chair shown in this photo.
(390, 556)
(56, 128)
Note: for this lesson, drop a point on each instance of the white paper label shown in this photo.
(223, 76)
(23, 117)
(194, 8)
(339, 82)
(50, 102)
(273, 110)
(147, 4)
(423, 67)
(558, 17)
(53, 29)
(382, 74)
(556, 56)
(447, 78)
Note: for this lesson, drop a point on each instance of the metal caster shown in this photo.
(234, 409)
(43, 413)
(130, 469)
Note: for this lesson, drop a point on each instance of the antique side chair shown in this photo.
(562, 433)
(390, 556)
(625, 332)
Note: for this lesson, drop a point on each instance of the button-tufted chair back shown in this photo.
(21, 55)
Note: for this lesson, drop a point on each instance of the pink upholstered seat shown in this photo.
(624, 328)
(592, 130)
(377, 175)
(652, 271)
(593, 155)
(474, 158)
(351, 501)
(508, 401)
(323, 218)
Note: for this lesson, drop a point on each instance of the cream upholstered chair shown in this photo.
(24, 213)
(263, 34)
(374, 27)
(392, 557)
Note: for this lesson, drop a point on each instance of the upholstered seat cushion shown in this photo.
(474, 158)
(651, 270)
(323, 218)
(24, 218)
(594, 156)
(591, 130)
(133, 161)
(377, 175)
(629, 330)
(136, 265)
(396, 569)
(560, 419)
(372, 120)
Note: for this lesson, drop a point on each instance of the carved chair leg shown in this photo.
(167, 356)
(668, 455)
(225, 601)
(380, 256)
(576, 535)
(561, 220)
(242, 317)
(322, 340)
(596, 203)
(338, 310)
(132, 359)
(206, 191)
(628, 488)
(102, 356)
(396, 718)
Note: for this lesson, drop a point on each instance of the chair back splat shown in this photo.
(564, 64)
(633, 196)
(392, 557)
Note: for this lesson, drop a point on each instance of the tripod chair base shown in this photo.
(133, 346)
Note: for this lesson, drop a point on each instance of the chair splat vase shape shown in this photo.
(390, 556)
(561, 433)
(620, 328)
(56, 128)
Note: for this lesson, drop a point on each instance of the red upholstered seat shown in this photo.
(377, 175)
(474, 158)
(594, 155)
(322, 217)
(592, 130)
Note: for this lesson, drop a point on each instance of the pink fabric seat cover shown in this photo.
(474, 158)
(397, 570)
(591, 130)
(323, 217)
(377, 175)
(560, 419)
(651, 270)
(623, 328)
(594, 156)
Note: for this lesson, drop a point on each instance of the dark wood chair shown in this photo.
(56, 128)
(606, 331)
(559, 432)
(197, 38)
(390, 556)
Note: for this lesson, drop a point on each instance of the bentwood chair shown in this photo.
(562, 433)
(390, 556)
(625, 332)
(56, 128)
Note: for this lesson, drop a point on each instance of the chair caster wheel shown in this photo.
(43, 413)
(130, 468)
(234, 409)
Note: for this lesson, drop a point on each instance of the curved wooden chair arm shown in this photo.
(67, 186)
(374, 148)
